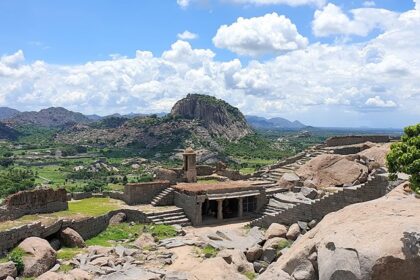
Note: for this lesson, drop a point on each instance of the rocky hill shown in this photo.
(7, 132)
(7, 113)
(50, 117)
(273, 123)
(217, 116)
(197, 119)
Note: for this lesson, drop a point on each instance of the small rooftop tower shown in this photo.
(190, 170)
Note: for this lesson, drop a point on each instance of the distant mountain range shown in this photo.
(273, 123)
(59, 117)
(7, 113)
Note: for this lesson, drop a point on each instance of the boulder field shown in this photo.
(378, 240)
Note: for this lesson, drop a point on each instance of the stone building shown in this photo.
(214, 203)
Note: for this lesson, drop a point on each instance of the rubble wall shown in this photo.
(33, 202)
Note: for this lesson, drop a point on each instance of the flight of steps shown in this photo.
(170, 217)
(162, 198)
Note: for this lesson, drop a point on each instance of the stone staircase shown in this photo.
(165, 197)
(292, 164)
(170, 217)
(279, 211)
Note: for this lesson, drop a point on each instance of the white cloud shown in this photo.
(331, 20)
(187, 35)
(369, 4)
(379, 102)
(371, 83)
(260, 35)
(293, 3)
(183, 3)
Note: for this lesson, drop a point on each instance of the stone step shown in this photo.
(157, 216)
(183, 222)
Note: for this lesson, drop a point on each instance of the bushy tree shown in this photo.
(405, 156)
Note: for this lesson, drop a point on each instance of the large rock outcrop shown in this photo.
(377, 153)
(378, 240)
(39, 256)
(333, 170)
(217, 116)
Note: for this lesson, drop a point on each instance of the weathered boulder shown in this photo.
(274, 272)
(293, 232)
(49, 275)
(276, 230)
(384, 235)
(145, 241)
(289, 180)
(377, 153)
(7, 269)
(260, 266)
(305, 271)
(216, 269)
(117, 218)
(254, 253)
(71, 238)
(333, 170)
(275, 242)
(39, 257)
(269, 255)
(338, 263)
(166, 174)
(79, 274)
(236, 258)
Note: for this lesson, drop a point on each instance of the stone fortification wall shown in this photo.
(33, 202)
(142, 193)
(84, 195)
(355, 139)
(375, 187)
(87, 228)
(191, 206)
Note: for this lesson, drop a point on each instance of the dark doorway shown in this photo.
(230, 208)
(209, 209)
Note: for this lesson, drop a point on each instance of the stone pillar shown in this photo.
(240, 207)
(220, 209)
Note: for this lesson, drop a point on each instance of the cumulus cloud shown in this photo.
(331, 20)
(187, 35)
(271, 33)
(183, 3)
(355, 82)
(379, 102)
(369, 4)
(293, 3)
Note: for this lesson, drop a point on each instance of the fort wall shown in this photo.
(142, 193)
(33, 202)
(375, 187)
(355, 139)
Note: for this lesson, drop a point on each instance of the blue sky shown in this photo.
(56, 50)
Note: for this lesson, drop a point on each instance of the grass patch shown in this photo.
(250, 275)
(283, 244)
(209, 251)
(65, 268)
(161, 231)
(247, 170)
(94, 206)
(116, 233)
(68, 253)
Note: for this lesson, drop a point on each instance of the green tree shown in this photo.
(405, 156)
